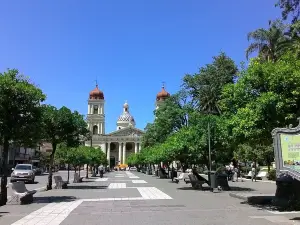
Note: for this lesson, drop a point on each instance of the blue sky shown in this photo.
(131, 46)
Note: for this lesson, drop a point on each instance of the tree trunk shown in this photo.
(79, 170)
(3, 196)
(49, 185)
(68, 172)
(87, 171)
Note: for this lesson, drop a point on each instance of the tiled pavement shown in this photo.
(137, 199)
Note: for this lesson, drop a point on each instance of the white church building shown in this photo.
(126, 139)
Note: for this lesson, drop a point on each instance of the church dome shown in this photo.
(96, 93)
(126, 116)
(163, 94)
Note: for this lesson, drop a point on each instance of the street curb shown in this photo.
(260, 199)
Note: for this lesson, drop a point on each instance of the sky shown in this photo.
(130, 47)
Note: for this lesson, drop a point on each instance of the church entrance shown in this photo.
(112, 161)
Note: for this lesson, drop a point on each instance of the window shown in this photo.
(23, 167)
(95, 109)
(95, 129)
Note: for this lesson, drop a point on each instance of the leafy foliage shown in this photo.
(290, 7)
(20, 116)
(206, 86)
(62, 126)
(268, 43)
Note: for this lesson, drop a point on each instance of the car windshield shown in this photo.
(23, 167)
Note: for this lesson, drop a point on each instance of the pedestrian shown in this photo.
(101, 168)
(253, 172)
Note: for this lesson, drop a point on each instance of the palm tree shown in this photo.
(292, 42)
(267, 42)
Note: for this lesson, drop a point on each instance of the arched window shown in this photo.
(95, 129)
(95, 109)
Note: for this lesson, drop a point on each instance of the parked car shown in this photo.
(23, 172)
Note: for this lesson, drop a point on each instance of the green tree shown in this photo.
(289, 7)
(62, 126)
(267, 42)
(65, 155)
(205, 87)
(292, 42)
(95, 156)
(171, 116)
(20, 116)
(133, 159)
(265, 97)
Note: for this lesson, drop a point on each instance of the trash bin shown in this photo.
(212, 180)
(222, 181)
(284, 187)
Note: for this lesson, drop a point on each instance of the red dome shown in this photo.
(96, 93)
(163, 94)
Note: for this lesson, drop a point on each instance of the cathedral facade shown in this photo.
(118, 144)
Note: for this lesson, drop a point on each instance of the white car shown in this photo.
(133, 168)
(23, 172)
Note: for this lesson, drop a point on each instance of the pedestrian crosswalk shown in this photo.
(138, 182)
(116, 185)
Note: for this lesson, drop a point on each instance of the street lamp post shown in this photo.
(209, 147)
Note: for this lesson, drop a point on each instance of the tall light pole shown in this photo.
(209, 148)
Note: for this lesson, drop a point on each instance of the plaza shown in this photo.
(135, 198)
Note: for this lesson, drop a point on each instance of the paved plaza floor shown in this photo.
(132, 198)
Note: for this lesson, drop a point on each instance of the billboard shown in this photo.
(287, 150)
(290, 150)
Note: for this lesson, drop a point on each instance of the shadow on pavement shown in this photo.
(85, 187)
(232, 188)
(2, 213)
(207, 188)
(193, 189)
(295, 218)
(50, 199)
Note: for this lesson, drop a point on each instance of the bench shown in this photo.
(59, 183)
(20, 194)
(196, 183)
(77, 178)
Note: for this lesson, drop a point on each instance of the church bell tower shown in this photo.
(161, 97)
(96, 115)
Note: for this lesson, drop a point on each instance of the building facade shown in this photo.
(17, 155)
(118, 144)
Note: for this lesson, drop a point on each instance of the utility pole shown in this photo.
(209, 148)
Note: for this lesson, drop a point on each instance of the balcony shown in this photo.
(22, 156)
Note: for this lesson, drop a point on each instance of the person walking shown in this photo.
(101, 170)
(253, 172)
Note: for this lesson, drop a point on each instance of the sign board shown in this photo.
(287, 150)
